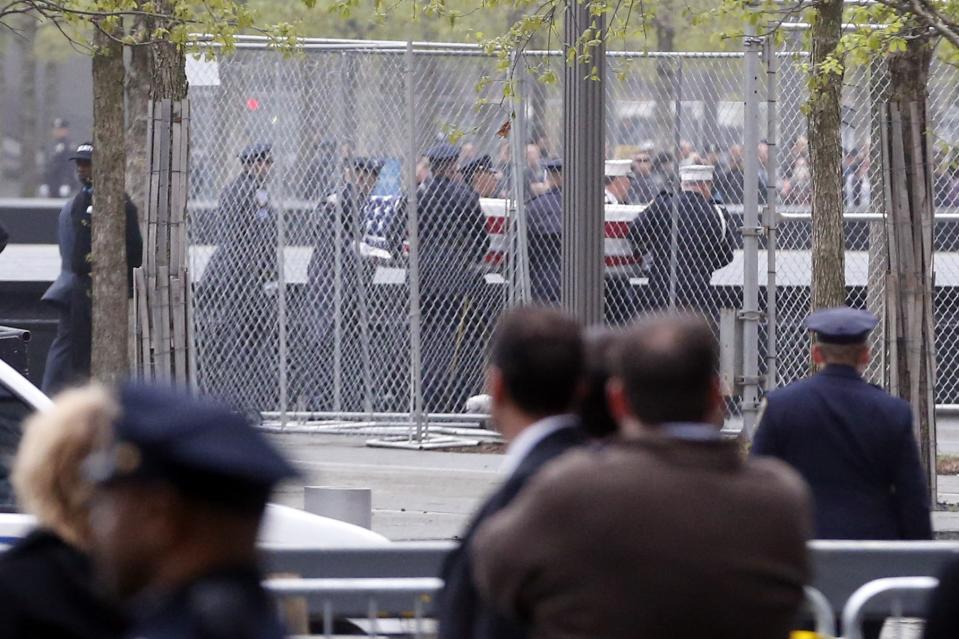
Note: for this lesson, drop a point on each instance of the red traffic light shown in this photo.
(252, 104)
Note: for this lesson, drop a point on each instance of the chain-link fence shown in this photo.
(314, 297)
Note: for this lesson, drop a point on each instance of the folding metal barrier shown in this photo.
(855, 609)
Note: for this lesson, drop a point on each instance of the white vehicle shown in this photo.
(282, 525)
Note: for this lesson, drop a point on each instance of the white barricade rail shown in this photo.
(855, 609)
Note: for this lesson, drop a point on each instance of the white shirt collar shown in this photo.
(530, 437)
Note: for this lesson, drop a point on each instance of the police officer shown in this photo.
(238, 287)
(68, 360)
(355, 279)
(59, 175)
(453, 244)
(705, 244)
(851, 441)
(544, 223)
(617, 174)
(180, 491)
(482, 177)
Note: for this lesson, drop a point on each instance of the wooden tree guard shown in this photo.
(163, 299)
(910, 337)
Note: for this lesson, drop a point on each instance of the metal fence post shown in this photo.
(356, 260)
(519, 257)
(283, 354)
(751, 229)
(282, 345)
(771, 217)
(338, 244)
(416, 355)
(584, 138)
(676, 183)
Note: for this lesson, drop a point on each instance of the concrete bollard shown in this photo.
(352, 505)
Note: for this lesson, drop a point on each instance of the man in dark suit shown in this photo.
(236, 298)
(851, 441)
(544, 220)
(535, 371)
(452, 246)
(68, 360)
(665, 532)
(706, 243)
(321, 305)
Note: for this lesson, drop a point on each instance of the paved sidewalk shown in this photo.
(420, 495)
(417, 495)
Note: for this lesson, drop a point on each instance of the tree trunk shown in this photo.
(825, 160)
(109, 362)
(169, 71)
(909, 307)
(139, 76)
(29, 178)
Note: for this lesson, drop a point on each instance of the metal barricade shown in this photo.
(408, 598)
(412, 598)
(823, 619)
(855, 609)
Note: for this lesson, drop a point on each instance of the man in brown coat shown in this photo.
(666, 532)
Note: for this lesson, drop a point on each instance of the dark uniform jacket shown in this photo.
(82, 220)
(942, 621)
(462, 614)
(47, 590)
(59, 292)
(705, 244)
(245, 233)
(853, 443)
(651, 536)
(321, 272)
(452, 237)
(544, 220)
(227, 604)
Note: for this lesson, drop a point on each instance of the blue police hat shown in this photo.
(482, 163)
(442, 153)
(202, 448)
(841, 325)
(556, 164)
(370, 165)
(83, 152)
(257, 151)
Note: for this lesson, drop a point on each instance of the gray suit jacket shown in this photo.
(59, 291)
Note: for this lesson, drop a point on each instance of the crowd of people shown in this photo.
(624, 511)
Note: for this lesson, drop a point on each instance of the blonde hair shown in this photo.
(47, 472)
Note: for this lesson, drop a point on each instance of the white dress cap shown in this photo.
(696, 173)
(616, 168)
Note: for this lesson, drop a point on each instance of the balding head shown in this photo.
(667, 371)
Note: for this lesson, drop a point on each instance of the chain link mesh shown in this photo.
(302, 286)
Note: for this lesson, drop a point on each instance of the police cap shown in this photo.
(84, 152)
(556, 164)
(442, 153)
(257, 151)
(841, 325)
(369, 165)
(201, 448)
(482, 163)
